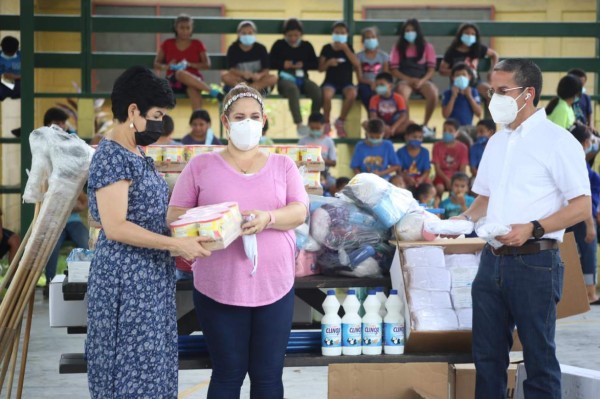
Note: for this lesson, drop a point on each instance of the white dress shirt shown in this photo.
(531, 172)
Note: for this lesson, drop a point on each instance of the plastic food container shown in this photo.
(184, 228)
(174, 153)
(155, 152)
(210, 226)
(310, 154)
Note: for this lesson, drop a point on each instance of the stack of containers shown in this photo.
(463, 269)
(220, 222)
(428, 284)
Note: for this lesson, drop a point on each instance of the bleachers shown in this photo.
(87, 60)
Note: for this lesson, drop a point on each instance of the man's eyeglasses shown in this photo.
(502, 91)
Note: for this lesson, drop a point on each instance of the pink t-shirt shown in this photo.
(450, 158)
(225, 275)
(428, 58)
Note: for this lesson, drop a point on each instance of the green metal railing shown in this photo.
(87, 60)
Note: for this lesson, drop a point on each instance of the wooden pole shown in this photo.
(13, 361)
(25, 348)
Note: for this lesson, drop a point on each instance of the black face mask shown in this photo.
(150, 135)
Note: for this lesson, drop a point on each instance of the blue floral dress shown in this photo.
(131, 346)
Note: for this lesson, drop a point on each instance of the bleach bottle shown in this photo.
(331, 326)
(393, 325)
(371, 325)
(351, 325)
(382, 298)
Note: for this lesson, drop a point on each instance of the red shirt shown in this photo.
(191, 54)
(450, 159)
(387, 108)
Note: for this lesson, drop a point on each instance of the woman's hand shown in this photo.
(190, 248)
(256, 225)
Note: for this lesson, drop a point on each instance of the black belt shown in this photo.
(530, 247)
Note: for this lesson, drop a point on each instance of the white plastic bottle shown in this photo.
(382, 298)
(351, 325)
(371, 326)
(393, 325)
(331, 326)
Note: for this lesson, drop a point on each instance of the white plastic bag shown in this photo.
(434, 320)
(427, 278)
(425, 299)
(465, 318)
(461, 297)
(489, 232)
(424, 257)
(451, 227)
(410, 227)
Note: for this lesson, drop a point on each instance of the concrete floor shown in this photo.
(577, 340)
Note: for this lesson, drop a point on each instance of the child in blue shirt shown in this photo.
(375, 155)
(10, 68)
(461, 101)
(414, 158)
(485, 129)
(458, 201)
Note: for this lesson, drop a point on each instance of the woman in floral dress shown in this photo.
(131, 346)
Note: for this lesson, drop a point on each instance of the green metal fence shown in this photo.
(87, 60)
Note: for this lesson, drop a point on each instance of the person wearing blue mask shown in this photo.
(585, 232)
(375, 154)
(414, 158)
(461, 101)
(338, 61)
(316, 137)
(412, 63)
(372, 62)
(10, 68)
(388, 106)
(449, 156)
(293, 56)
(583, 107)
(485, 129)
(467, 47)
(248, 61)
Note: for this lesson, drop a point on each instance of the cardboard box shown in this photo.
(575, 382)
(390, 381)
(464, 381)
(574, 298)
(65, 313)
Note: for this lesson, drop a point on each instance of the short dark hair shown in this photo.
(526, 74)
(337, 24)
(568, 87)
(200, 114)
(413, 128)
(139, 85)
(292, 24)
(375, 126)
(168, 125)
(580, 73)
(9, 45)
(340, 182)
(385, 76)
(488, 123)
(581, 132)
(422, 189)
(452, 122)
(55, 114)
(317, 117)
(461, 66)
(459, 176)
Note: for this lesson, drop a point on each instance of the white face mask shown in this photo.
(504, 108)
(245, 134)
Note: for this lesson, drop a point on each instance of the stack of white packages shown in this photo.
(428, 283)
(463, 269)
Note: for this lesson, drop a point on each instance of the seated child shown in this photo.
(413, 157)
(375, 155)
(338, 61)
(485, 129)
(458, 201)
(10, 68)
(449, 156)
(425, 194)
(461, 101)
(316, 137)
(388, 106)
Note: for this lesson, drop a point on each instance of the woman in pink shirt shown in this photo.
(246, 317)
(412, 62)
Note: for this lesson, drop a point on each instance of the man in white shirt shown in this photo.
(532, 177)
